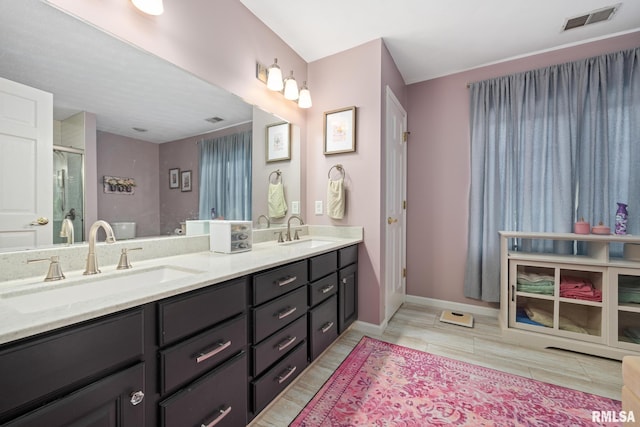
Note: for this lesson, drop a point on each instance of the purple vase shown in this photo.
(621, 219)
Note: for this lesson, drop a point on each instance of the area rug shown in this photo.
(383, 384)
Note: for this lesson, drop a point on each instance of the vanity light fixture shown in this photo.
(274, 77)
(304, 100)
(150, 7)
(291, 88)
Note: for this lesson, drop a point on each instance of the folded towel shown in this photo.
(276, 201)
(335, 199)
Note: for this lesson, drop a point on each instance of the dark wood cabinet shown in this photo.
(323, 326)
(347, 297)
(114, 401)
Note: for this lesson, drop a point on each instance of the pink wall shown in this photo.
(438, 169)
(357, 83)
(129, 158)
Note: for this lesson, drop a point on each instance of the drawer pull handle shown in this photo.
(326, 327)
(221, 346)
(137, 397)
(286, 343)
(221, 415)
(287, 281)
(290, 371)
(284, 314)
(326, 289)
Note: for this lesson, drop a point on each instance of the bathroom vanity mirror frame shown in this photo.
(22, 21)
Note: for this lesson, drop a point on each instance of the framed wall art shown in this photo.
(340, 131)
(278, 142)
(174, 178)
(185, 181)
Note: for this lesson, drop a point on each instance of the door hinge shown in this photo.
(405, 136)
(404, 273)
(404, 204)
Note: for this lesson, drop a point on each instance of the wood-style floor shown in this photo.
(418, 327)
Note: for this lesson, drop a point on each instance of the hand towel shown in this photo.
(277, 203)
(335, 199)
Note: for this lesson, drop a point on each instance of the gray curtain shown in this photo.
(225, 176)
(549, 146)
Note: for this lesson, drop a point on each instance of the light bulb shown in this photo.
(151, 7)
(291, 88)
(304, 100)
(274, 77)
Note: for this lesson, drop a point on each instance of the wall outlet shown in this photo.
(295, 207)
(318, 207)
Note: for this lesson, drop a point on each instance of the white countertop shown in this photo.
(65, 302)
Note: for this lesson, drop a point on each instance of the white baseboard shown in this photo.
(456, 306)
(369, 328)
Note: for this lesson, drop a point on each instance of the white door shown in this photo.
(395, 220)
(26, 171)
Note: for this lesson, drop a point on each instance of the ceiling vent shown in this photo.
(215, 119)
(592, 17)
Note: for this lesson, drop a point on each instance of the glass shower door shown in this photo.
(68, 191)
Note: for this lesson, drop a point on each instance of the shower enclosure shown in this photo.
(68, 191)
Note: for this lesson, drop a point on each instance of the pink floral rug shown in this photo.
(383, 384)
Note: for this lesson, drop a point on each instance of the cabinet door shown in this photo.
(348, 297)
(115, 401)
(625, 304)
(323, 326)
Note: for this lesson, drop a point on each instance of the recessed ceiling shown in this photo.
(429, 39)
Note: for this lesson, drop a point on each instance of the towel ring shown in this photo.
(278, 175)
(340, 169)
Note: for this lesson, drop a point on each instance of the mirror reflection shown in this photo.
(126, 123)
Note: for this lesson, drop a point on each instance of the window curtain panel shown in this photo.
(225, 177)
(549, 146)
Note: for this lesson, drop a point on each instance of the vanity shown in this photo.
(212, 341)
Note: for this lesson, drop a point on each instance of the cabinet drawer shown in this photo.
(279, 281)
(277, 345)
(278, 313)
(321, 265)
(97, 404)
(185, 361)
(347, 256)
(323, 326)
(185, 315)
(276, 379)
(323, 289)
(43, 365)
(220, 395)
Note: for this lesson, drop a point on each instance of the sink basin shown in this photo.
(36, 298)
(307, 243)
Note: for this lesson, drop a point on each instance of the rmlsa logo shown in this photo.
(612, 417)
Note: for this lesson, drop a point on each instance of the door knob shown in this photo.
(391, 220)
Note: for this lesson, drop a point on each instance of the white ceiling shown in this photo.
(429, 39)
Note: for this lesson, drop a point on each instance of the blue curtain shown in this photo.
(549, 146)
(225, 176)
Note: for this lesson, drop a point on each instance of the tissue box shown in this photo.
(230, 236)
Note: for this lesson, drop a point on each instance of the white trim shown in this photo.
(370, 328)
(457, 306)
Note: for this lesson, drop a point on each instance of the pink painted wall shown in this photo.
(130, 158)
(439, 168)
(356, 83)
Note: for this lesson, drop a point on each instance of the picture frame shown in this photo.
(340, 131)
(278, 137)
(174, 178)
(185, 181)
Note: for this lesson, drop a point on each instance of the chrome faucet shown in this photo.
(92, 259)
(66, 230)
(265, 217)
(299, 218)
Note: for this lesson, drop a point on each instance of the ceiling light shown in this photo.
(151, 7)
(274, 77)
(291, 88)
(304, 101)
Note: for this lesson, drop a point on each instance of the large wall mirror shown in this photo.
(144, 118)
